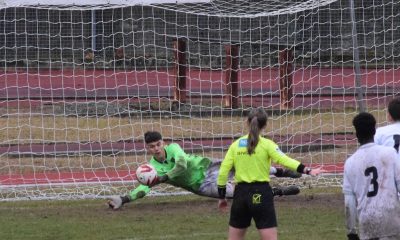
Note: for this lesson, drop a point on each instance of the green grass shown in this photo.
(312, 215)
(27, 129)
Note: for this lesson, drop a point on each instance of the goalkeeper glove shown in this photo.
(159, 179)
(162, 178)
(116, 202)
(352, 236)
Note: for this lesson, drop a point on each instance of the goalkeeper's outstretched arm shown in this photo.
(116, 202)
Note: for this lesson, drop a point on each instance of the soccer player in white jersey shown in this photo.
(371, 185)
(390, 135)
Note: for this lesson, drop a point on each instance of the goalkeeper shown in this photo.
(193, 173)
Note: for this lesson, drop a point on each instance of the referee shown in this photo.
(251, 157)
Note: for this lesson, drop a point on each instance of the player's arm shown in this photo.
(397, 171)
(222, 179)
(351, 215)
(350, 203)
(282, 159)
(116, 202)
(224, 170)
(180, 163)
(281, 172)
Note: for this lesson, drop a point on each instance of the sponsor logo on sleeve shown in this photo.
(243, 143)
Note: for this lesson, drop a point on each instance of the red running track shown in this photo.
(30, 87)
(265, 78)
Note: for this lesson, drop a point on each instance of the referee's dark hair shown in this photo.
(365, 124)
(257, 120)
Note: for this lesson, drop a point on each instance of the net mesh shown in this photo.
(80, 84)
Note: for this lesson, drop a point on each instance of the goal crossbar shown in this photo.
(91, 3)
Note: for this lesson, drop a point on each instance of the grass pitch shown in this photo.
(313, 215)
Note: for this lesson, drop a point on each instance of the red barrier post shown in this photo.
(231, 76)
(180, 70)
(286, 78)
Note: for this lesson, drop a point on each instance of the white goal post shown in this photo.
(82, 81)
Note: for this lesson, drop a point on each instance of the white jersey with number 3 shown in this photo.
(372, 175)
(388, 136)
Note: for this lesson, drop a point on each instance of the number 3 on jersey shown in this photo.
(368, 172)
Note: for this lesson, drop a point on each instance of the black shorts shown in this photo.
(253, 200)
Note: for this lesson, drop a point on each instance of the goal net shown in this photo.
(81, 82)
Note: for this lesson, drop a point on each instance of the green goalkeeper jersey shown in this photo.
(184, 170)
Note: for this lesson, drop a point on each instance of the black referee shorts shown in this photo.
(253, 200)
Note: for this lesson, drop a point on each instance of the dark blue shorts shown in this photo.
(253, 201)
